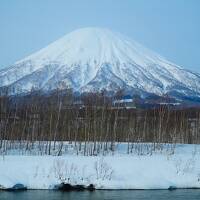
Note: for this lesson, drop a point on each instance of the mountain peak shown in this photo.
(93, 43)
(90, 59)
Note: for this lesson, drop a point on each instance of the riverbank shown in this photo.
(161, 170)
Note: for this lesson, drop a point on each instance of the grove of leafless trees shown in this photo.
(90, 122)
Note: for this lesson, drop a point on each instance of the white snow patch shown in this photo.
(119, 171)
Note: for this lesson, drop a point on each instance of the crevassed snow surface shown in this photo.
(160, 170)
(91, 59)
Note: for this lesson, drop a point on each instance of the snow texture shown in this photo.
(161, 170)
(91, 59)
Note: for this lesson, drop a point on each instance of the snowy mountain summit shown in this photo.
(92, 59)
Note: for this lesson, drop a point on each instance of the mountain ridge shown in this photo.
(93, 59)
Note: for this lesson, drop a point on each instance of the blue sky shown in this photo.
(170, 27)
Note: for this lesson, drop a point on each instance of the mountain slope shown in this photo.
(91, 59)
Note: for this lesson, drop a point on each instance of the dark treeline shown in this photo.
(62, 116)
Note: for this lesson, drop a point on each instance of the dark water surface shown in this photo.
(102, 195)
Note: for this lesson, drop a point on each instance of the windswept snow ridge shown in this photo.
(91, 59)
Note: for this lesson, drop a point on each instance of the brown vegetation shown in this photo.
(61, 116)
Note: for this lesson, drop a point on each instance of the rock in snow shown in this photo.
(17, 187)
(69, 187)
(91, 59)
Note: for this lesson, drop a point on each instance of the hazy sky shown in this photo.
(170, 27)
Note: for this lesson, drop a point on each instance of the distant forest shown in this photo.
(92, 117)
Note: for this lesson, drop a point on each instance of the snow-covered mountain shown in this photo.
(91, 59)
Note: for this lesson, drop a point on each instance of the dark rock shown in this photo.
(91, 187)
(17, 187)
(172, 188)
(69, 187)
(64, 187)
(79, 187)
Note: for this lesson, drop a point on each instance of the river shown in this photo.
(102, 195)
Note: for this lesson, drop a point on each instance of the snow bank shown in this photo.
(119, 171)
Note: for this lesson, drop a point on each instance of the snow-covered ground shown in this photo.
(160, 170)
